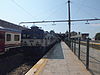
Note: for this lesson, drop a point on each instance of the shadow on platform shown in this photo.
(55, 53)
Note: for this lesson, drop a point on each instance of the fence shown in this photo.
(87, 52)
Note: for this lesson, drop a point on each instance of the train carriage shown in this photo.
(9, 38)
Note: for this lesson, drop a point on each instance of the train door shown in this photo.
(2, 41)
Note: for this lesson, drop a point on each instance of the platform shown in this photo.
(60, 60)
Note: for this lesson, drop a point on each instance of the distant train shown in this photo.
(9, 38)
(37, 37)
(32, 37)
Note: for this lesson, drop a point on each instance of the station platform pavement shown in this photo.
(60, 60)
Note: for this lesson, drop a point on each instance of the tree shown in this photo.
(97, 36)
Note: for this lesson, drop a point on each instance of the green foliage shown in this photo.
(97, 36)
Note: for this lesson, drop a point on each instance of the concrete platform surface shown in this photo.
(62, 61)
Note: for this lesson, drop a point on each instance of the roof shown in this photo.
(6, 24)
(9, 29)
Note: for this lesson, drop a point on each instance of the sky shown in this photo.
(16, 11)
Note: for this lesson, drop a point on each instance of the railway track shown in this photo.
(91, 44)
(19, 61)
(16, 63)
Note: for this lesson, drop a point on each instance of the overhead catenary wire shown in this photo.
(51, 11)
(17, 4)
(54, 10)
(93, 8)
(87, 6)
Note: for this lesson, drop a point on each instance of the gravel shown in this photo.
(20, 70)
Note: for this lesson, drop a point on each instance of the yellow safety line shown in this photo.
(95, 43)
(38, 67)
(41, 67)
(91, 43)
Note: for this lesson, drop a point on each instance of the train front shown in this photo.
(32, 37)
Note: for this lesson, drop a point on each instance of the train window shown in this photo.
(8, 37)
(24, 35)
(28, 36)
(16, 37)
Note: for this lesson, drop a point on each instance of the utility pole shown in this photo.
(69, 23)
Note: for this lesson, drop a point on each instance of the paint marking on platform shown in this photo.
(91, 43)
(38, 67)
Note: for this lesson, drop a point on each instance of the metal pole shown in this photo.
(72, 45)
(79, 47)
(69, 22)
(60, 21)
(75, 46)
(87, 55)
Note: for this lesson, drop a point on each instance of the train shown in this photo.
(28, 38)
(9, 38)
(37, 37)
(32, 37)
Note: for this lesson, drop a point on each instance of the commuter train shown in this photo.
(34, 37)
(9, 38)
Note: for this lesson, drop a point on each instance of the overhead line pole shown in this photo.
(69, 23)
